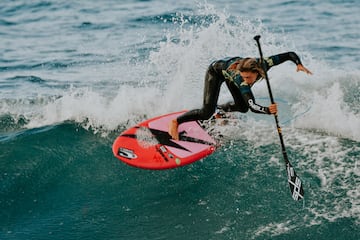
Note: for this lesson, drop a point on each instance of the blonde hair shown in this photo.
(250, 65)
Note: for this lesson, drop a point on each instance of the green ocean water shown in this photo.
(62, 182)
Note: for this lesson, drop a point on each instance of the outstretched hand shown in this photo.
(300, 67)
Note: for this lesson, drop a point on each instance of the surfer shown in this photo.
(239, 74)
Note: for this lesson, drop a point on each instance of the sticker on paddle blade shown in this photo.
(295, 183)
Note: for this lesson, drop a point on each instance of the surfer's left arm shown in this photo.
(288, 56)
(252, 105)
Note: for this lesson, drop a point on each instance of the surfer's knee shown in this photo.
(240, 108)
(232, 107)
(207, 112)
(243, 110)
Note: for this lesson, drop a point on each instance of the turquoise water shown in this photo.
(73, 76)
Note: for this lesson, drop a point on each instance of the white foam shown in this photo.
(94, 110)
(329, 112)
(275, 229)
(333, 162)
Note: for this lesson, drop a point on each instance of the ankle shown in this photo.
(175, 122)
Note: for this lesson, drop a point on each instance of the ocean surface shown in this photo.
(75, 74)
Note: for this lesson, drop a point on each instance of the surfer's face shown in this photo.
(249, 77)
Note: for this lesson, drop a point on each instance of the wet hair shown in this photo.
(250, 65)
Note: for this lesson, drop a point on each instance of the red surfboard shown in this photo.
(148, 144)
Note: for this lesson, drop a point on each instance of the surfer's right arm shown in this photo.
(252, 105)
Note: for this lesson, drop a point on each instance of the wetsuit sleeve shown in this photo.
(280, 58)
(250, 100)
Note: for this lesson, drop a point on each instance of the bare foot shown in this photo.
(173, 129)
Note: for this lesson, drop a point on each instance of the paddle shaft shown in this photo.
(257, 39)
(295, 184)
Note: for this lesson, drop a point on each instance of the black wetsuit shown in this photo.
(219, 72)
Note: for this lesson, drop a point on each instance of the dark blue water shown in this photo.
(74, 75)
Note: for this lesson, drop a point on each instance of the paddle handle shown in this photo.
(257, 39)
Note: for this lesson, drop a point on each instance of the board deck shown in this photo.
(148, 144)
